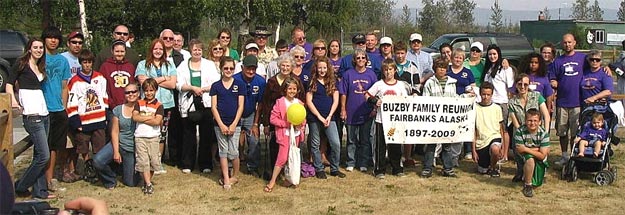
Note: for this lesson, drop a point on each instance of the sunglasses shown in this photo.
(130, 92)
(227, 68)
(121, 33)
(218, 49)
(320, 48)
(75, 42)
(595, 59)
(299, 56)
(522, 84)
(361, 58)
(301, 38)
(360, 43)
(261, 37)
(224, 37)
(168, 38)
(475, 50)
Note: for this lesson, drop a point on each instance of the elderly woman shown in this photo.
(596, 85)
(298, 53)
(195, 77)
(216, 51)
(272, 93)
(519, 104)
(121, 149)
(225, 36)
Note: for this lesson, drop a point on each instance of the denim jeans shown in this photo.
(359, 149)
(446, 155)
(102, 161)
(253, 148)
(37, 128)
(380, 151)
(331, 132)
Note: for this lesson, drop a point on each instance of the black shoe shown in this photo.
(23, 194)
(338, 174)
(495, 173)
(321, 175)
(426, 173)
(449, 173)
(517, 178)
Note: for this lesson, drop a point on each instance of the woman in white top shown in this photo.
(502, 79)
(195, 77)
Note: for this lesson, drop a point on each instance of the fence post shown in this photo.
(6, 132)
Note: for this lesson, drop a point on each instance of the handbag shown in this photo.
(196, 115)
(292, 171)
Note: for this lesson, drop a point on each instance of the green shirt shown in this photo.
(196, 77)
(477, 70)
(538, 140)
(534, 100)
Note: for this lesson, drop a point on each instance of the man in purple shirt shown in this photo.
(299, 38)
(565, 75)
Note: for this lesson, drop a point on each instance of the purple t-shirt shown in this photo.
(594, 82)
(322, 102)
(308, 48)
(464, 77)
(538, 84)
(589, 133)
(336, 65)
(228, 99)
(568, 71)
(354, 85)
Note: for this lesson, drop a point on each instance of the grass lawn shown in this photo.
(361, 193)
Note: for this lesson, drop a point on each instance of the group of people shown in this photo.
(116, 108)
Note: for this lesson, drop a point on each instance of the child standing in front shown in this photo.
(148, 114)
(227, 99)
(278, 118)
(387, 86)
(592, 134)
(486, 148)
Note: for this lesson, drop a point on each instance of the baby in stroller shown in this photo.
(593, 134)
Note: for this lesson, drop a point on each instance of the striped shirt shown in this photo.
(537, 140)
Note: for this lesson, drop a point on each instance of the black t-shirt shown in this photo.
(26, 78)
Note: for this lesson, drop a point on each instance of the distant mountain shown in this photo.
(482, 15)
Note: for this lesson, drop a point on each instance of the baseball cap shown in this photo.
(478, 45)
(250, 60)
(416, 36)
(251, 45)
(74, 34)
(386, 40)
(359, 38)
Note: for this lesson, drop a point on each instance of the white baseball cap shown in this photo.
(478, 45)
(251, 45)
(416, 36)
(386, 40)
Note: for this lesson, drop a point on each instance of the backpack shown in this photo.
(308, 170)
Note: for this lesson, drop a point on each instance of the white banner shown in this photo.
(424, 119)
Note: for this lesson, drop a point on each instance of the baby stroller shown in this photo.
(605, 173)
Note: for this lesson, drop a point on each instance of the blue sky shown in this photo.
(520, 4)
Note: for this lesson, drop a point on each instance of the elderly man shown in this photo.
(120, 33)
(422, 59)
(299, 38)
(266, 54)
(167, 36)
(179, 43)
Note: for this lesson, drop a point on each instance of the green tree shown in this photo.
(329, 17)
(428, 16)
(462, 15)
(547, 13)
(596, 13)
(405, 19)
(580, 10)
(496, 18)
(621, 11)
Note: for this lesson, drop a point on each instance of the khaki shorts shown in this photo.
(146, 150)
(567, 119)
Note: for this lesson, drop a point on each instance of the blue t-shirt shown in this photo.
(228, 99)
(304, 78)
(590, 133)
(253, 94)
(354, 85)
(568, 71)
(374, 64)
(126, 129)
(163, 95)
(322, 102)
(336, 65)
(57, 71)
(594, 82)
(464, 77)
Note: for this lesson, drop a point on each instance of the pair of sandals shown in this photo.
(233, 181)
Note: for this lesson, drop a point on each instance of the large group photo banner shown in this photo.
(425, 119)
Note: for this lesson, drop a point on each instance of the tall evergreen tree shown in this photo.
(580, 10)
(621, 11)
(596, 13)
(496, 18)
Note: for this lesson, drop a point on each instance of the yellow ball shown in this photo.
(296, 113)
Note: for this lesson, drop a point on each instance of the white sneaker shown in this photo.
(206, 171)
(562, 161)
(363, 169)
(468, 156)
(349, 169)
(162, 171)
(186, 171)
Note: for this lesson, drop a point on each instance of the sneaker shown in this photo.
(363, 169)
(338, 174)
(186, 171)
(449, 173)
(380, 176)
(207, 171)
(349, 169)
(161, 171)
(401, 174)
(528, 190)
(562, 161)
(468, 156)
(321, 175)
(149, 189)
(426, 173)
(495, 173)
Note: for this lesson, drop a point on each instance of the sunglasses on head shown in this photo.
(121, 33)
(130, 91)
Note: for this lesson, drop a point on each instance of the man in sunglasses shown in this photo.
(266, 54)
(359, 42)
(121, 32)
(422, 59)
(167, 36)
(299, 38)
(74, 46)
